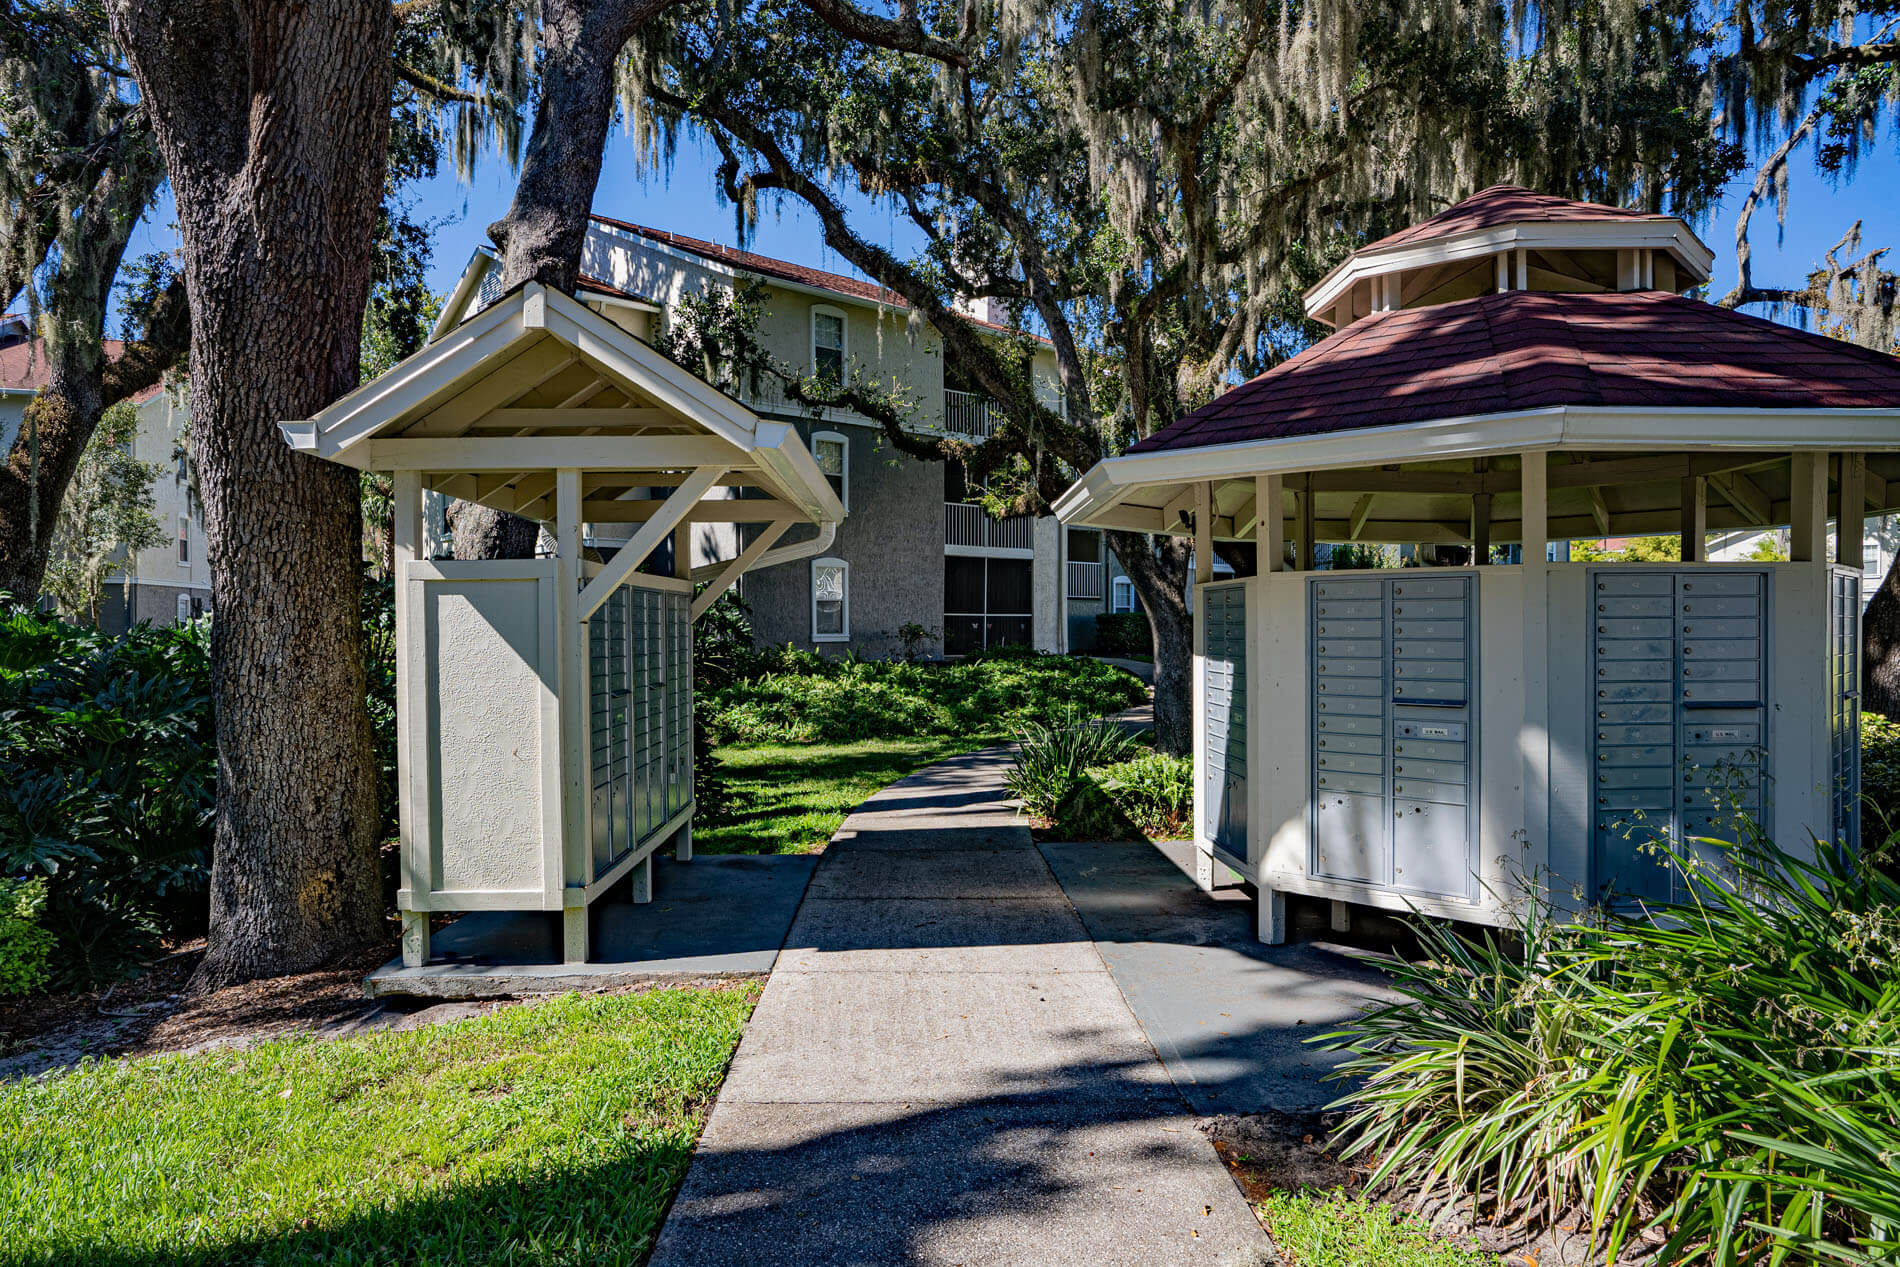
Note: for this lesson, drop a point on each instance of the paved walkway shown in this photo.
(942, 1071)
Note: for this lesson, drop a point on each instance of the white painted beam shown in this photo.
(543, 453)
(644, 542)
(1203, 533)
(1356, 521)
(734, 570)
(1850, 529)
(1807, 523)
(1534, 518)
(1695, 519)
(1270, 522)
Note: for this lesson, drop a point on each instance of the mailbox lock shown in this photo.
(1398, 747)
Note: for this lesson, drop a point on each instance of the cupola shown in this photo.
(1508, 238)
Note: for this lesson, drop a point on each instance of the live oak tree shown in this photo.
(1150, 186)
(78, 170)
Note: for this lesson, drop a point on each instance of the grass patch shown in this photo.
(1332, 1230)
(790, 798)
(553, 1133)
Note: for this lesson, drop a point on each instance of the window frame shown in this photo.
(844, 607)
(1115, 591)
(184, 541)
(844, 339)
(844, 473)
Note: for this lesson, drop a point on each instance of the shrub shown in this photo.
(1879, 775)
(1721, 1078)
(1124, 634)
(107, 770)
(1155, 791)
(1087, 812)
(24, 945)
(1052, 760)
(797, 697)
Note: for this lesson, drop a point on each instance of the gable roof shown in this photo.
(1521, 350)
(1508, 204)
(786, 270)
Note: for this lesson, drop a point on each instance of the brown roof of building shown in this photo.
(1523, 350)
(784, 270)
(23, 365)
(1507, 204)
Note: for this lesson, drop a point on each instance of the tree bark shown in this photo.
(1880, 648)
(273, 121)
(482, 532)
(1158, 571)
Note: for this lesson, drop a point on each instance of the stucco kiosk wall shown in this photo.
(893, 537)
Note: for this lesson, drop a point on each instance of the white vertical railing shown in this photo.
(1084, 580)
(969, 414)
(966, 524)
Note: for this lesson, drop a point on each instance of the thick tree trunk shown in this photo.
(273, 120)
(1880, 648)
(1159, 573)
(482, 532)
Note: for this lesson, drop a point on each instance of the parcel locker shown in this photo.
(1844, 610)
(1392, 744)
(1678, 719)
(1224, 690)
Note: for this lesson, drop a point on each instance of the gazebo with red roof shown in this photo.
(1517, 370)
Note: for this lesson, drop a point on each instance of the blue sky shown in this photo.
(684, 200)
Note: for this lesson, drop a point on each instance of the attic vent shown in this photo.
(490, 289)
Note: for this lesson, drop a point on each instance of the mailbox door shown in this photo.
(1224, 690)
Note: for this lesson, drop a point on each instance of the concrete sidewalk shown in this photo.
(941, 1070)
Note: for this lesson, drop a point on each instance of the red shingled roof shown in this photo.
(23, 365)
(1531, 349)
(1507, 204)
(784, 270)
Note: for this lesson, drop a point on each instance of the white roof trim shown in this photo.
(467, 286)
(1584, 427)
(1664, 233)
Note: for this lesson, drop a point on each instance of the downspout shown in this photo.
(827, 533)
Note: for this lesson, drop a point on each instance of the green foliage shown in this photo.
(543, 1134)
(1335, 1230)
(1768, 550)
(1086, 811)
(915, 638)
(107, 773)
(1123, 634)
(1052, 761)
(25, 947)
(791, 696)
(1154, 791)
(1667, 549)
(1879, 775)
(1352, 556)
(105, 518)
(1722, 1076)
(379, 671)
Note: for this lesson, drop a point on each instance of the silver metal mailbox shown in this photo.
(1224, 725)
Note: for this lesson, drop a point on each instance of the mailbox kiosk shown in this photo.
(1515, 371)
(544, 706)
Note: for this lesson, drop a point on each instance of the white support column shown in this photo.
(683, 844)
(406, 540)
(1203, 533)
(1504, 272)
(1807, 527)
(641, 881)
(1303, 560)
(571, 691)
(1269, 917)
(1341, 916)
(1523, 269)
(1695, 519)
(1535, 515)
(1269, 493)
(683, 551)
(1850, 525)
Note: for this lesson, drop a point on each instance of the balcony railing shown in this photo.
(970, 414)
(966, 524)
(1084, 580)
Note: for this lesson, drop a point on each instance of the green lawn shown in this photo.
(553, 1133)
(790, 798)
(1329, 1230)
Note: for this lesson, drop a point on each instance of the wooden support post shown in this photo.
(415, 938)
(1850, 527)
(1534, 484)
(1203, 869)
(1480, 529)
(1504, 272)
(1270, 916)
(641, 881)
(1270, 522)
(683, 844)
(574, 935)
(1807, 527)
(643, 543)
(1303, 560)
(683, 551)
(1341, 917)
(406, 542)
(1203, 533)
(571, 694)
(1523, 269)
(1695, 519)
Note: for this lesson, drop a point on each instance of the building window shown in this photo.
(830, 600)
(184, 540)
(828, 344)
(834, 459)
(1124, 594)
(184, 608)
(987, 603)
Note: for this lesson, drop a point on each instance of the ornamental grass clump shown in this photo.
(1051, 761)
(1715, 1081)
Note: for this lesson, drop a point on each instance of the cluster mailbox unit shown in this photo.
(1516, 370)
(544, 706)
